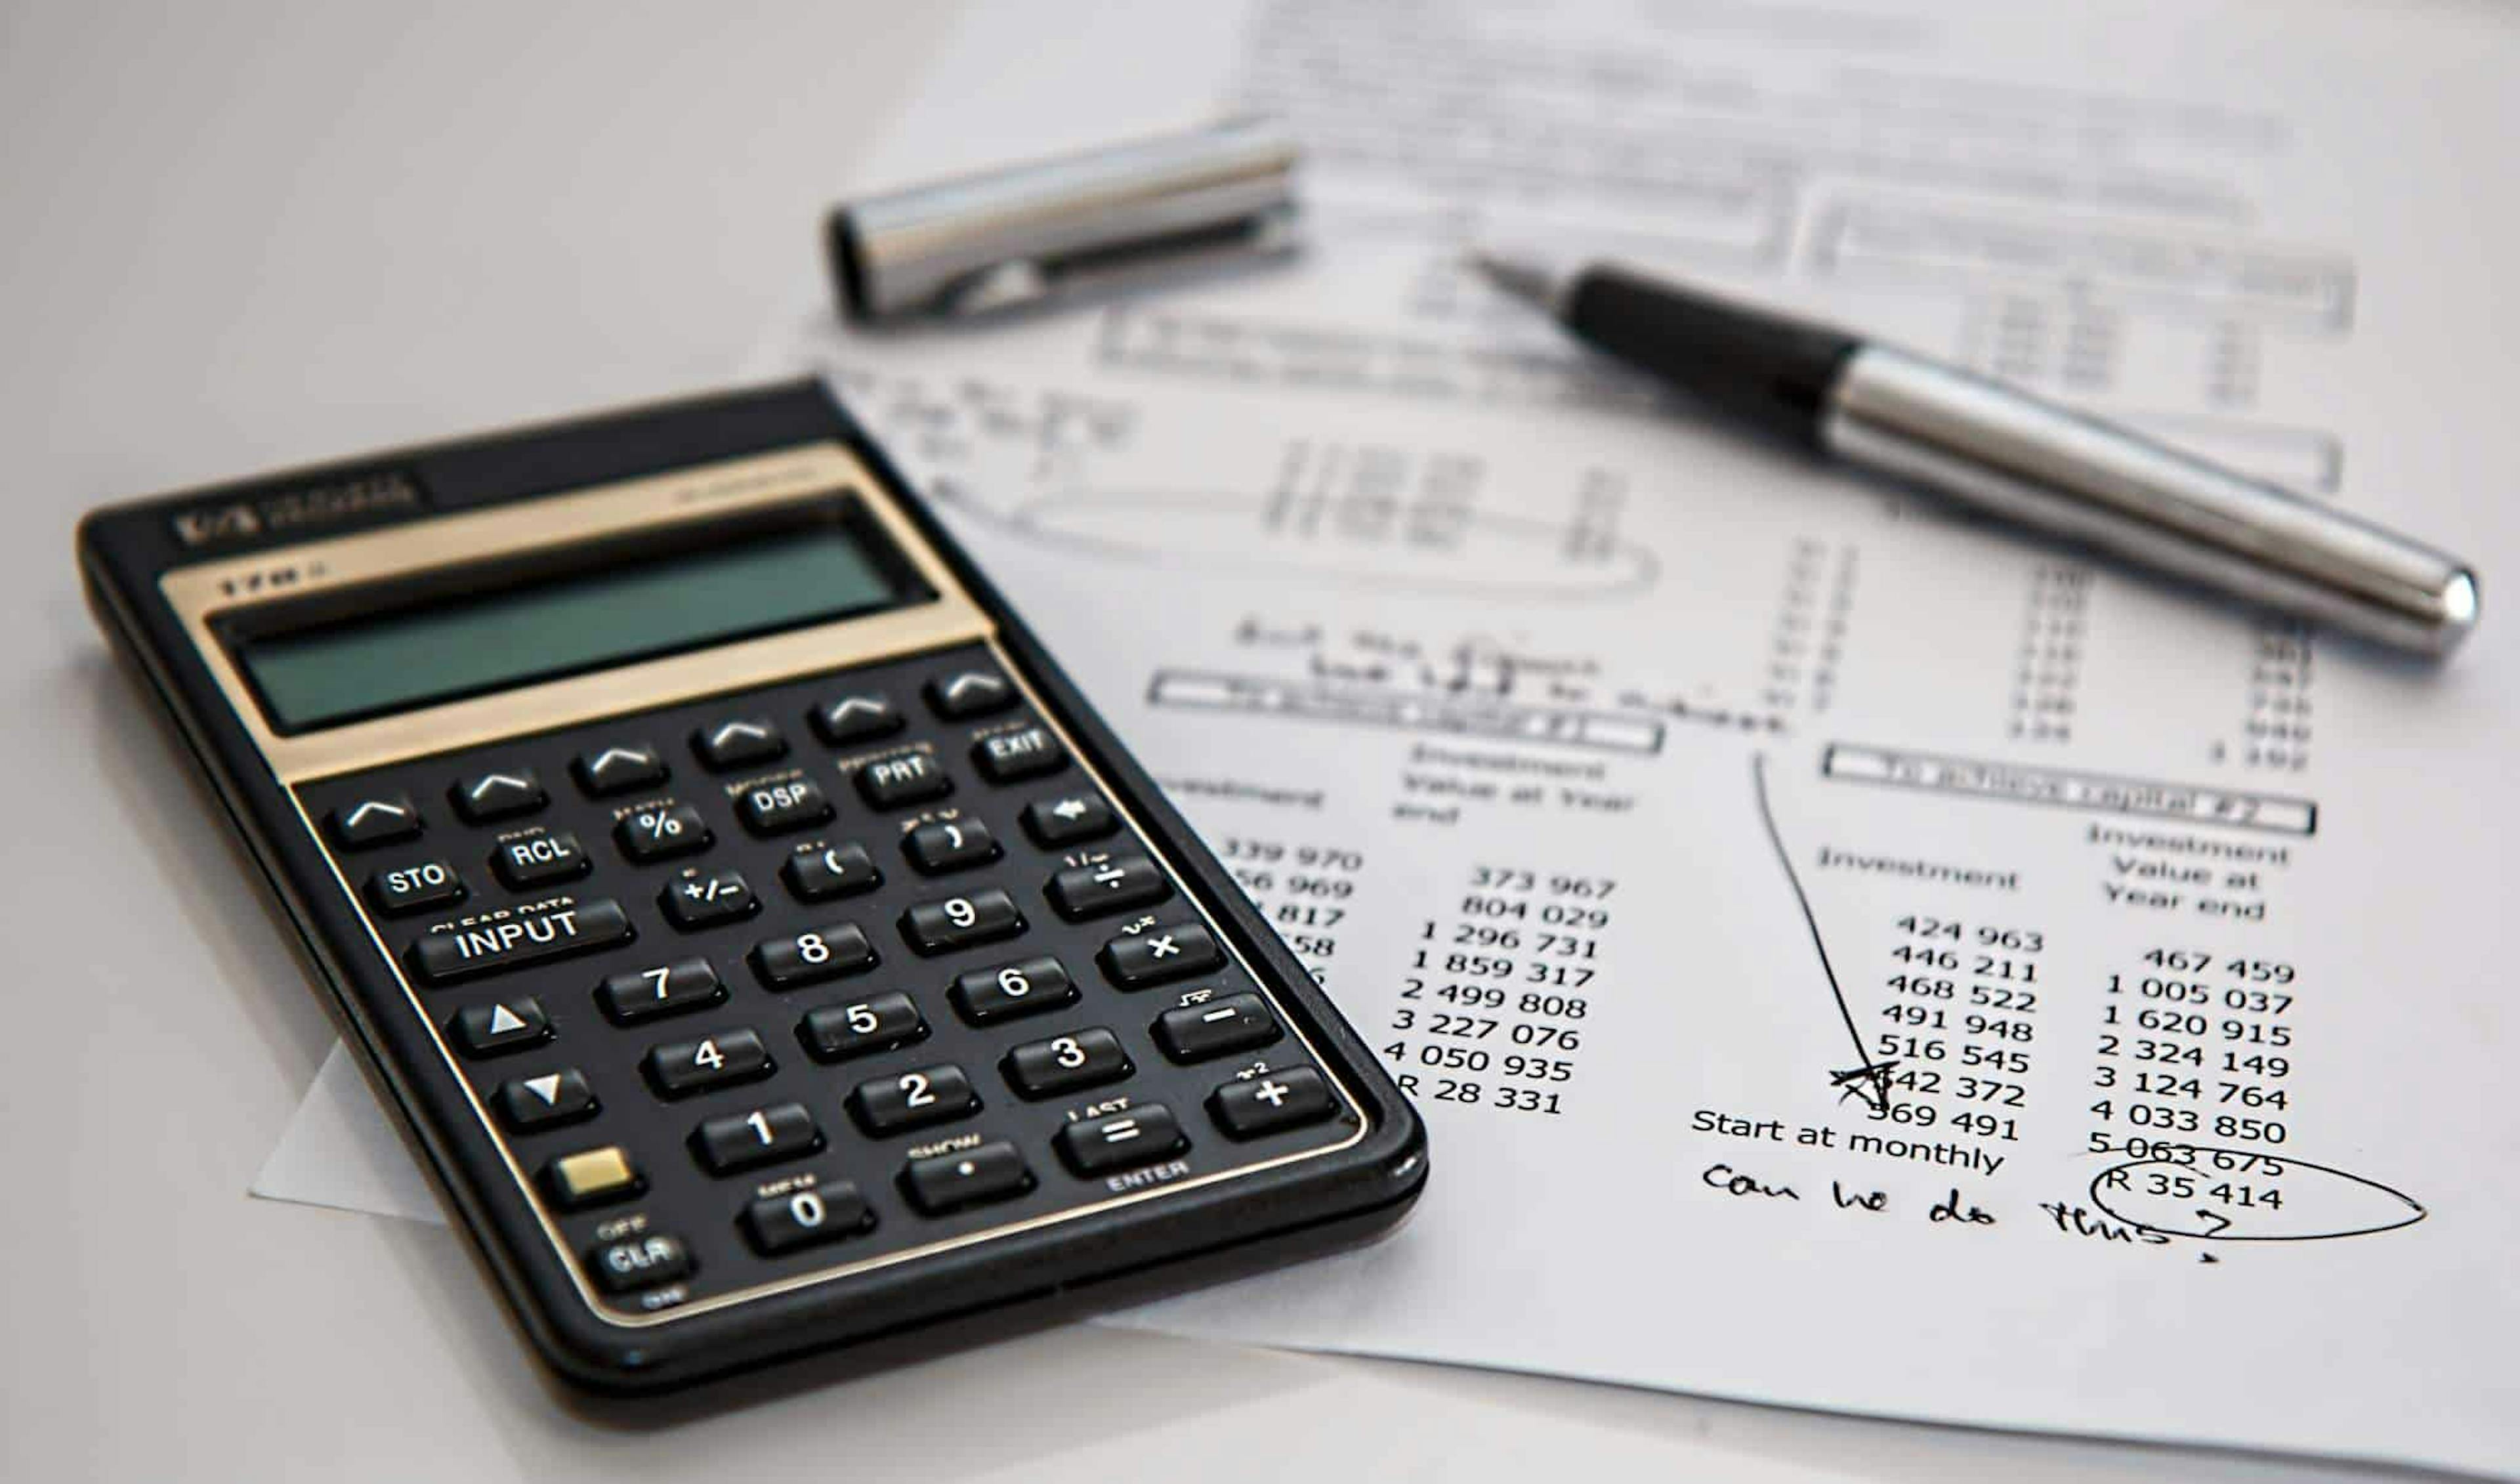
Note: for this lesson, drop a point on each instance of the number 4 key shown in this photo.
(680, 1069)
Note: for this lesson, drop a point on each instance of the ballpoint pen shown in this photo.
(2012, 455)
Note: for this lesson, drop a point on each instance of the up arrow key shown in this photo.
(377, 821)
(500, 1027)
(499, 795)
(739, 743)
(618, 770)
(856, 718)
(973, 693)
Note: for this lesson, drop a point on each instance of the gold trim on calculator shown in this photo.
(201, 594)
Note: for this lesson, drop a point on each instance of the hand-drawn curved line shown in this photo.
(2414, 1205)
(1867, 1072)
(1052, 521)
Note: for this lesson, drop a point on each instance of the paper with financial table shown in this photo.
(1847, 956)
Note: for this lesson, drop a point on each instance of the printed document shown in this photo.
(1847, 956)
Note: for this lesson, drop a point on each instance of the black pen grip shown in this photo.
(1766, 368)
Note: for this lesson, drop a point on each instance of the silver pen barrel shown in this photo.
(2045, 467)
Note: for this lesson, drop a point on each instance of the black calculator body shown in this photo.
(762, 941)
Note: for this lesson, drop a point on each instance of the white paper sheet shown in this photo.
(1640, 792)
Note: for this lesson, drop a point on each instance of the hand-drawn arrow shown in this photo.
(1867, 1079)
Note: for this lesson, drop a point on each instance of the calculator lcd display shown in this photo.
(467, 644)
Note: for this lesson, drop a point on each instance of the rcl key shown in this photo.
(539, 860)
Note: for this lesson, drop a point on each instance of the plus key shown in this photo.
(1252, 1107)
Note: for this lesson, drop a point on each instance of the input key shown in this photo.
(471, 950)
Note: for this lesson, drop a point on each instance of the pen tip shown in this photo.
(1524, 278)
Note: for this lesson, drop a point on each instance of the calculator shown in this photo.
(761, 941)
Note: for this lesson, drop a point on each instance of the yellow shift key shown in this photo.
(592, 1177)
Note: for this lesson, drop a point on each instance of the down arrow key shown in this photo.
(546, 1102)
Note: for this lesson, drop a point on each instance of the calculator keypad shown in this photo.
(870, 963)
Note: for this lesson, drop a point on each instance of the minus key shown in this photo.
(1216, 1028)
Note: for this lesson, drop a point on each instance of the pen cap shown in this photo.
(1032, 232)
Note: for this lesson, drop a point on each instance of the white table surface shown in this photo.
(252, 235)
